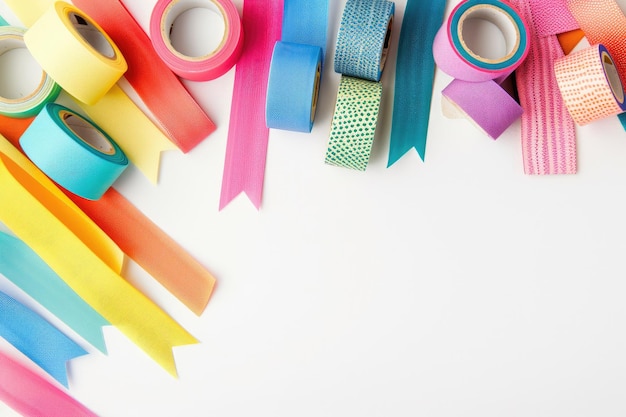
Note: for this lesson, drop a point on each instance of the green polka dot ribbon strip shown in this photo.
(354, 123)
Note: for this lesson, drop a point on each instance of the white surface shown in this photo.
(455, 287)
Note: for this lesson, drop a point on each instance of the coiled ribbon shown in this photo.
(296, 66)
(360, 56)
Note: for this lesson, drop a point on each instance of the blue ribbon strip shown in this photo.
(43, 343)
(32, 275)
(415, 70)
(305, 21)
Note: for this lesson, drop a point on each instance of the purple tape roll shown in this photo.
(486, 104)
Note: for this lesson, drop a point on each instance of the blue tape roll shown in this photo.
(293, 86)
(363, 38)
(296, 66)
(471, 8)
(73, 151)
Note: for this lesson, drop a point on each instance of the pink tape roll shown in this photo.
(590, 84)
(485, 104)
(459, 48)
(208, 65)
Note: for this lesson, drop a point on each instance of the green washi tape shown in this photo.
(73, 151)
(24, 87)
(354, 123)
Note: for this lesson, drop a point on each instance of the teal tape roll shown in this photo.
(363, 38)
(23, 91)
(293, 86)
(73, 152)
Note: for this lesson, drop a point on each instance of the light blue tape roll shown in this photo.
(296, 66)
(73, 151)
(363, 38)
(23, 101)
(293, 86)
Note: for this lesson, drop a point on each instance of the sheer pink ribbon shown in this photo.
(246, 149)
(32, 396)
(548, 130)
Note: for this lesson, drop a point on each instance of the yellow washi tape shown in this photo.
(75, 52)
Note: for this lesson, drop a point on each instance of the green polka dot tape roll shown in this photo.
(354, 123)
(360, 55)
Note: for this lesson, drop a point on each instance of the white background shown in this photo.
(454, 287)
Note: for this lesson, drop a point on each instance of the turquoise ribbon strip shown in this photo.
(415, 70)
(622, 119)
(36, 338)
(30, 273)
(3, 22)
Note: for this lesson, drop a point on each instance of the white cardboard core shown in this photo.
(88, 133)
(613, 77)
(195, 28)
(21, 74)
(92, 35)
(488, 33)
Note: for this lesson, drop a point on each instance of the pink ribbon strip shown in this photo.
(246, 149)
(552, 17)
(32, 396)
(548, 130)
(176, 112)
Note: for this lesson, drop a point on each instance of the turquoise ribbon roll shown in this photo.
(73, 151)
(24, 87)
(363, 38)
(296, 66)
(293, 86)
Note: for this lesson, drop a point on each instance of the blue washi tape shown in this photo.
(296, 66)
(293, 86)
(73, 151)
(502, 15)
(363, 38)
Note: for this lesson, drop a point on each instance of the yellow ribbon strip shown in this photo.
(140, 139)
(68, 213)
(26, 208)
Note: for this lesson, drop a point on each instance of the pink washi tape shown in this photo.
(590, 84)
(196, 61)
(464, 46)
(487, 105)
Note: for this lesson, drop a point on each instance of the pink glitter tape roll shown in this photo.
(485, 104)
(460, 47)
(212, 64)
(590, 84)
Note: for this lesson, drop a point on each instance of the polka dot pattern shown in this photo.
(585, 87)
(354, 123)
(362, 40)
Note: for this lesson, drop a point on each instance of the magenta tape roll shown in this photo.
(191, 64)
(464, 46)
(486, 104)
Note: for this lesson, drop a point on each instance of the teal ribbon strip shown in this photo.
(415, 70)
(3, 22)
(36, 338)
(31, 274)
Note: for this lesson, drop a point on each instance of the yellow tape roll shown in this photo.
(75, 52)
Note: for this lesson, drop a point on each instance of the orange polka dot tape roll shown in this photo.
(590, 84)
